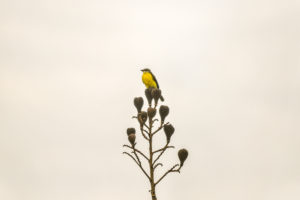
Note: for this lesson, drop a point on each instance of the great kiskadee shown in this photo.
(149, 80)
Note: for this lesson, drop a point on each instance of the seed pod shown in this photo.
(142, 117)
(163, 111)
(182, 154)
(131, 139)
(130, 131)
(148, 95)
(138, 103)
(151, 112)
(156, 93)
(169, 130)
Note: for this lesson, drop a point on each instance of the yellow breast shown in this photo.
(148, 80)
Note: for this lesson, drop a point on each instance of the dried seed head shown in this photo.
(169, 130)
(142, 117)
(131, 138)
(148, 95)
(138, 103)
(182, 154)
(163, 111)
(156, 94)
(130, 131)
(151, 112)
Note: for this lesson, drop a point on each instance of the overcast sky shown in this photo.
(229, 71)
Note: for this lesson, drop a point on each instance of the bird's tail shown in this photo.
(161, 98)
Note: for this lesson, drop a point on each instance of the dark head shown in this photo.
(146, 70)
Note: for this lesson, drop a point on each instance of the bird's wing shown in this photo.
(155, 80)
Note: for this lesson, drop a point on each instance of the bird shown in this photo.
(149, 80)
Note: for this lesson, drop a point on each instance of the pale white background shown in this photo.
(229, 70)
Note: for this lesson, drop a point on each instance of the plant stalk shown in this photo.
(152, 182)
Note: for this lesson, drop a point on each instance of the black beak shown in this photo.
(142, 70)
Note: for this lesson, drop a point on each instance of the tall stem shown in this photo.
(152, 182)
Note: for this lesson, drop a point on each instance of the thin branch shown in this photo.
(136, 151)
(131, 157)
(147, 126)
(159, 128)
(161, 152)
(158, 164)
(146, 131)
(165, 147)
(155, 120)
(142, 131)
(137, 157)
(140, 165)
(169, 171)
